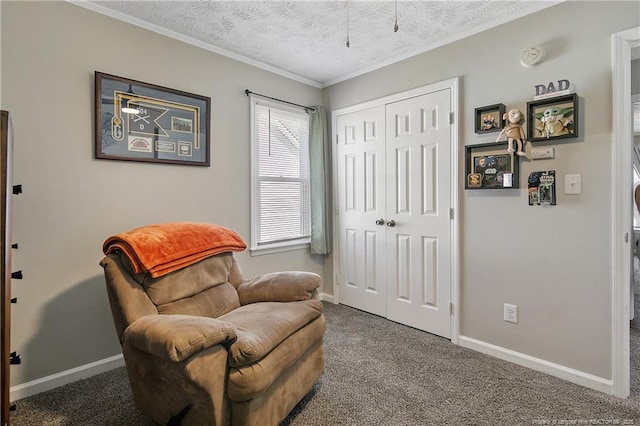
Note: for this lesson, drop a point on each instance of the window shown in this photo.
(281, 217)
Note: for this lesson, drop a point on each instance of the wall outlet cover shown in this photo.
(511, 313)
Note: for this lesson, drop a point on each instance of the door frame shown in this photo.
(451, 84)
(622, 229)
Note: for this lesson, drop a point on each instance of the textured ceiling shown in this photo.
(306, 39)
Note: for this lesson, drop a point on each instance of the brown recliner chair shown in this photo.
(204, 346)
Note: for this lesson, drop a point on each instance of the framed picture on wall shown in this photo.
(138, 121)
(488, 119)
(490, 166)
(553, 118)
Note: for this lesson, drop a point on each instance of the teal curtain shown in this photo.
(320, 163)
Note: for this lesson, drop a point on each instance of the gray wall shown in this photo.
(554, 263)
(72, 202)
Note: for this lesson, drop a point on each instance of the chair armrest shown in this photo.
(177, 337)
(288, 286)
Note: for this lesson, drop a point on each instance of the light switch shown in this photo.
(573, 184)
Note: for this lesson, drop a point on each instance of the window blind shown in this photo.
(282, 176)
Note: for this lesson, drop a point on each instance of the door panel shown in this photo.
(403, 268)
(429, 179)
(429, 276)
(419, 267)
(361, 201)
(402, 181)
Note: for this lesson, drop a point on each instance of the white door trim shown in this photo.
(622, 232)
(451, 84)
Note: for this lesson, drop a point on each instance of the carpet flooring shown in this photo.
(377, 373)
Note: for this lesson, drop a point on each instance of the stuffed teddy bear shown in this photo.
(513, 131)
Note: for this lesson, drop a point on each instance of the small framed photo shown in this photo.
(553, 118)
(138, 121)
(490, 166)
(488, 119)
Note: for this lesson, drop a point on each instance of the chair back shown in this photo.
(206, 288)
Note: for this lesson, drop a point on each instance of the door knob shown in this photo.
(391, 223)
(380, 222)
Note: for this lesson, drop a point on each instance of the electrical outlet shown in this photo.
(511, 313)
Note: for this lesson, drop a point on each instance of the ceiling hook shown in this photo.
(395, 27)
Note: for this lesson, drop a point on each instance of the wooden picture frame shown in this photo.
(136, 121)
(553, 118)
(490, 166)
(489, 119)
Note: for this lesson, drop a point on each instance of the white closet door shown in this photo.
(361, 202)
(418, 150)
(394, 196)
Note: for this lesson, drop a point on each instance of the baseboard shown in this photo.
(553, 369)
(69, 376)
(326, 297)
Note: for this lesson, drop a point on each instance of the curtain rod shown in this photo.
(249, 92)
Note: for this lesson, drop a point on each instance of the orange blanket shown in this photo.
(163, 248)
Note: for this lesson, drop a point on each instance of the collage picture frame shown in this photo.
(137, 121)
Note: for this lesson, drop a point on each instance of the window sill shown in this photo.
(278, 248)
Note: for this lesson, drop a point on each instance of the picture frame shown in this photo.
(490, 166)
(137, 121)
(489, 119)
(553, 118)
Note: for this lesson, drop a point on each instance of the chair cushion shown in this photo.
(211, 303)
(286, 286)
(177, 337)
(250, 381)
(189, 281)
(260, 327)
(202, 289)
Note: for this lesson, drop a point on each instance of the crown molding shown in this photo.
(540, 5)
(192, 41)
